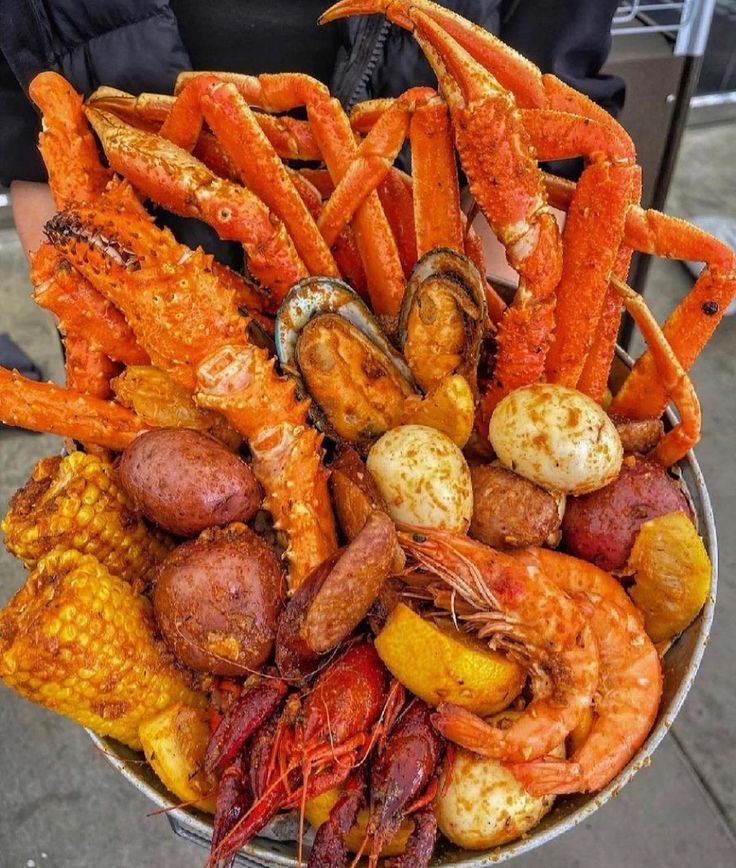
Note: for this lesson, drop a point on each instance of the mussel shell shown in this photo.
(466, 285)
(311, 297)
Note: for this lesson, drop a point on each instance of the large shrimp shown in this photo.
(525, 614)
(629, 689)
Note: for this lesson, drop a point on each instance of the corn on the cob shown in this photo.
(79, 641)
(75, 502)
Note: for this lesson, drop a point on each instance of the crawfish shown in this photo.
(316, 742)
(402, 782)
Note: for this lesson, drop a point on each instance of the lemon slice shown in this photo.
(441, 664)
(672, 571)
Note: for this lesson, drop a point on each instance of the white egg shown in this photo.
(557, 437)
(482, 804)
(423, 478)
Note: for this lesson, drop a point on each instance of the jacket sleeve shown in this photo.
(19, 157)
(133, 45)
(570, 39)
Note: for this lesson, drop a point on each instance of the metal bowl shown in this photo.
(680, 667)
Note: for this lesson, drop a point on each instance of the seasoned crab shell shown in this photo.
(77, 503)
(442, 317)
(329, 341)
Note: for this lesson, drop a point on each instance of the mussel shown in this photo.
(328, 340)
(442, 318)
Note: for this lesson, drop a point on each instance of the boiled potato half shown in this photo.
(483, 805)
(449, 407)
(445, 665)
(174, 743)
(423, 477)
(557, 437)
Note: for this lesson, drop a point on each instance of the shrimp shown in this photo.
(629, 689)
(526, 615)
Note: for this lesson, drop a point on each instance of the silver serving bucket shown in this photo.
(680, 666)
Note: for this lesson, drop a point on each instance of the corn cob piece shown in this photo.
(75, 502)
(79, 641)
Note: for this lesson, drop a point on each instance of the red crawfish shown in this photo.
(402, 781)
(313, 745)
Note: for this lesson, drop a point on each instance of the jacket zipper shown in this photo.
(372, 57)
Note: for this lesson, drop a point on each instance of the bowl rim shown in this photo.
(190, 824)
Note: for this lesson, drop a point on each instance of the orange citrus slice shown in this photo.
(441, 664)
(672, 571)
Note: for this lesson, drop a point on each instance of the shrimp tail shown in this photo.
(547, 776)
(466, 729)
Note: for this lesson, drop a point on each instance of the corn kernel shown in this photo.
(75, 502)
(108, 673)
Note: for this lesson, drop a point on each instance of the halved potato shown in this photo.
(174, 743)
(449, 407)
(480, 804)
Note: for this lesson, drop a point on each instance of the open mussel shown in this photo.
(329, 341)
(442, 318)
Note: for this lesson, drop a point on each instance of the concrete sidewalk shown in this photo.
(64, 805)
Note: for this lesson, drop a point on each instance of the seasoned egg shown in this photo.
(423, 478)
(557, 437)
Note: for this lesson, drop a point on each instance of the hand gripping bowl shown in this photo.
(679, 666)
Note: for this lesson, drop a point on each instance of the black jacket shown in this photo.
(137, 45)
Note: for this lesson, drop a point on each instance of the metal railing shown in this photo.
(686, 22)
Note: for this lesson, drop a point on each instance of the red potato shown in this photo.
(185, 481)
(217, 601)
(601, 527)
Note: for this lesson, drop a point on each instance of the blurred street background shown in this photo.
(63, 805)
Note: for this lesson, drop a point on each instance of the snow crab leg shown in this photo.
(331, 129)
(175, 179)
(693, 321)
(560, 123)
(51, 409)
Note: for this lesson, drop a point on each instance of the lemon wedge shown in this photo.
(441, 664)
(672, 572)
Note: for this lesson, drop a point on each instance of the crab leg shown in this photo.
(593, 379)
(694, 320)
(292, 139)
(591, 240)
(45, 407)
(691, 324)
(185, 317)
(248, 149)
(560, 122)
(94, 333)
(179, 182)
(396, 193)
(331, 129)
(504, 178)
(671, 379)
(81, 310)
